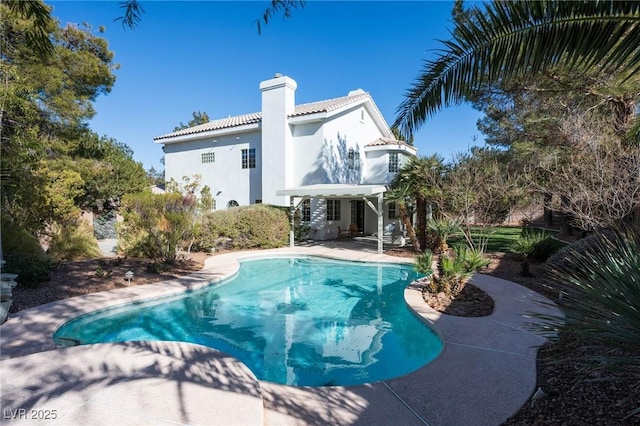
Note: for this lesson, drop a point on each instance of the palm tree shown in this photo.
(421, 177)
(400, 195)
(504, 39)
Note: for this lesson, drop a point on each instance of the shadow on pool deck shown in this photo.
(484, 374)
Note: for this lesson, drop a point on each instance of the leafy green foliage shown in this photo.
(501, 40)
(442, 230)
(51, 165)
(286, 7)
(245, 227)
(24, 255)
(473, 260)
(133, 12)
(600, 286)
(524, 247)
(198, 118)
(421, 181)
(424, 263)
(526, 243)
(156, 225)
(38, 14)
(73, 242)
(207, 202)
(455, 270)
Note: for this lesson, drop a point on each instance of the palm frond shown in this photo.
(132, 13)
(600, 288)
(284, 6)
(38, 36)
(516, 38)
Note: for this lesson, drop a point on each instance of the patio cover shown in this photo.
(336, 191)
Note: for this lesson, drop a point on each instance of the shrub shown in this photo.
(441, 230)
(545, 245)
(455, 271)
(424, 263)
(534, 244)
(24, 255)
(599, 280)
(472, 259)
(205, 235)
(73, 242)
(156, 225)
(247, 227)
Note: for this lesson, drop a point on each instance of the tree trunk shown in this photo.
(421, 222)
(548, 213)
(406, 221)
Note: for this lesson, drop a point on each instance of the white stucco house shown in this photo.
(333, 159)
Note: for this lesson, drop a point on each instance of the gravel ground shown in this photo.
(568, 401)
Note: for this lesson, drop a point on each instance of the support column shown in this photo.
(380, 223)
(292, 212)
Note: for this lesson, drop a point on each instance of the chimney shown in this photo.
(278, 102)
(279, 94)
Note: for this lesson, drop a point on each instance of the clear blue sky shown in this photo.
(207, 56)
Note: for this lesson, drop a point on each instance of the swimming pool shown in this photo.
(305, 321)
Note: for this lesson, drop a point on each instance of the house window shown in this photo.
(306, 210)
(392, 211)
(208, 157)
(232, 203)
(394, 162)
(249, 158)
(333, 209)
(353, 159)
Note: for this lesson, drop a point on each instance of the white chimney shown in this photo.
(278, 102)
(278, 93)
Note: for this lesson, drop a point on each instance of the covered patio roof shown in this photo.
(338, 190)
(334, 190)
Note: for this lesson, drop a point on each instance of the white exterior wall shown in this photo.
(226, 177)
(344, 131)
(306, 165)
(378, 164)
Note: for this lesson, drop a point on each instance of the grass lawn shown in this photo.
(498, 239)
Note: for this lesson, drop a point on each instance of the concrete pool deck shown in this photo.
(486, 371)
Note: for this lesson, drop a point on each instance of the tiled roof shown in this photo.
(223, 123)
(386, 141)
(241, 120)
(328, 105)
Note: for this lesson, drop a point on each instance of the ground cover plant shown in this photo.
(599, 286)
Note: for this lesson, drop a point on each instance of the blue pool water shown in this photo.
(303, 321)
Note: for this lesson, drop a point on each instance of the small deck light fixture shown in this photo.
(129, 276)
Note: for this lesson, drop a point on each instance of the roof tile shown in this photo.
(386, 141)
(256, 117)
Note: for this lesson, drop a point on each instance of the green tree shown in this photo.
(207, 202)
(155, 177)
(37, 32)
(400, 194)
(421, 177)
(198, 118)
(501, 40)
(52, 165)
